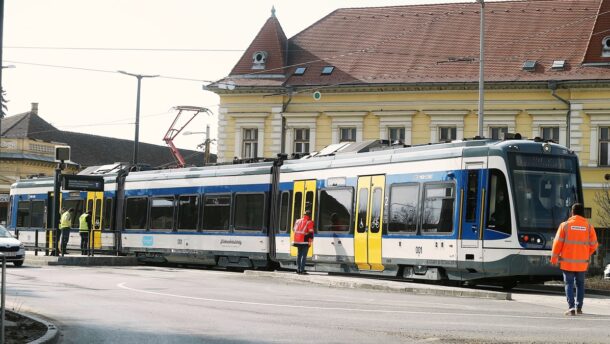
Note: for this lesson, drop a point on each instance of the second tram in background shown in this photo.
(472, 211)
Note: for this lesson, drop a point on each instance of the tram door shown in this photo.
(304, 196)
(472, 200)
(95, 201)
(369, 217)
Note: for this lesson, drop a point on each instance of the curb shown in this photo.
(383, 285)
(52, 334)
(81, 260)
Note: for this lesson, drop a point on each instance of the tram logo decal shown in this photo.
(231, 242)
(147, 240)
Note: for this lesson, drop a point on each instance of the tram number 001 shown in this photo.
(419, 249)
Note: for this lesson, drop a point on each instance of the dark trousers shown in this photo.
(571, 278)
(302, 256)
(84, 242)
(65, 236)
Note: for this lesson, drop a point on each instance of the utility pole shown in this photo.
(207, 145)
(136, 141)
(1, 89)
(482, 68)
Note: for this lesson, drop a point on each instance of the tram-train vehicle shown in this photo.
(466, 211)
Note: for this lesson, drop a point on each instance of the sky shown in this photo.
(66, 54)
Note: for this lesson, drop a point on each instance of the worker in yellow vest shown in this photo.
(64, 225)
(84, 229)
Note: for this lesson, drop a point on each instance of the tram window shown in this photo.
(363, 203)
(9, 211)
(135, 212)
(107, 219)
(77, 205)
(162, 213)
(285, 212)
(90, 204)
(188, 212)
(249, 211)
(376, 210)
(499, 209)
(37, 214)
(216, 212)
(472, 194)
(438, 209)
(403, 208)
(98, 214)
(296, 212)
(335, 210)
(309, 201)
(23, 214)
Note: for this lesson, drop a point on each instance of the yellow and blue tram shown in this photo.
(462, 211)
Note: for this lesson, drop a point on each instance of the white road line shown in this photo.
(486, 315)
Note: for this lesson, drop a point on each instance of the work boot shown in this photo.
(570, 312)
(579, 311)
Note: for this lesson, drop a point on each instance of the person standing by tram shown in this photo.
(84, 229)
(303, 238)
(64, 225)
(573, 246)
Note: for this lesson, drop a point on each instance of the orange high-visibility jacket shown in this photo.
(303, 227)
(574, 244)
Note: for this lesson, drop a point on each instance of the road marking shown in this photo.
(486, 315)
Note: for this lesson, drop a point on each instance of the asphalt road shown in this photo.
(171, 305)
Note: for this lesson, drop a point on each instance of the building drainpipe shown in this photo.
(284, 107)
(553, 87)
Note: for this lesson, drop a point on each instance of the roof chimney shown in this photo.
(34, 108)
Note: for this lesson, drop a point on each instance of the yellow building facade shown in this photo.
(422, 114)
(404, 73)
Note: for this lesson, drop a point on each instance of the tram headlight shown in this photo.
(546, 148)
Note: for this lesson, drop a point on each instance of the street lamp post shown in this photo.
(137, 134)
(481, 67)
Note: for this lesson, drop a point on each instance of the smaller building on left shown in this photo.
(27, 150)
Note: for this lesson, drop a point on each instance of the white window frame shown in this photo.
(440, 128)
(549, 127)
(251, 141)
(500, 118)
(599, 118)
(395, 119)
(345, 120)
(351, 130)
(549, 118)
(448, 118)
(247, 121)
(303, 142)
(300, 120)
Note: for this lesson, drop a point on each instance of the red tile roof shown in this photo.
(270, 38)
(440, 43)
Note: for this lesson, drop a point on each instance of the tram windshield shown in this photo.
(545, 187)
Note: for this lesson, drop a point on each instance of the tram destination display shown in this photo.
(82, 183)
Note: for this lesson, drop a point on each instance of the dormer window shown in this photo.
(606, 46)
(299, 71)
(529, 65)
(259, 59)
(327, 70)
(558, 65)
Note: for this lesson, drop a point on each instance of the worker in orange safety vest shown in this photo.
(573, 246)
(303, 237)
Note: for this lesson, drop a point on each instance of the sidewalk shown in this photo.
(76, 259)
